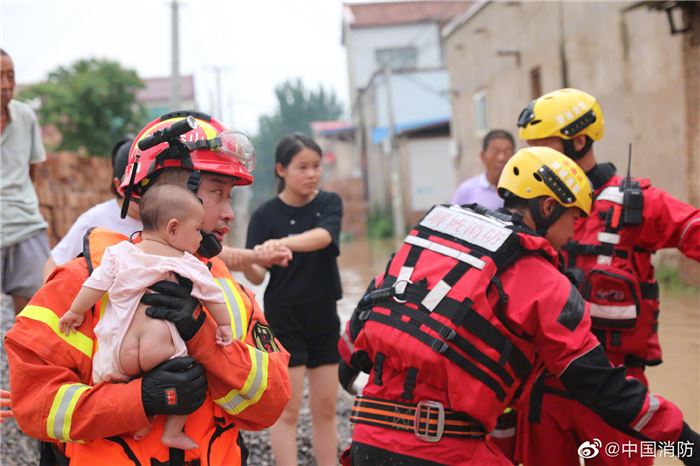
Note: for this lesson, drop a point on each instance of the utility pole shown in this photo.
(219, 97)
(396, 189)
(175, 70)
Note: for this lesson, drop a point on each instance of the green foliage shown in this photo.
(380, 224)
(297, 107)
(92, 103)
(669, 278)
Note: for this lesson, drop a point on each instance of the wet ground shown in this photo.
(677, 379)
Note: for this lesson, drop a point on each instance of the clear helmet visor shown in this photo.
(238, 144)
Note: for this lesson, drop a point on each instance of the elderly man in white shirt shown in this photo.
(22, 228)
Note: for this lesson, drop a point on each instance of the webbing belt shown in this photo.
(429, 420)
(459, 313)
(450, 335)
(605, 249)
(439, 346)
(650, 290)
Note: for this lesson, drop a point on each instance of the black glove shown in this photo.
(177, 386)
(173, 302)
(690, 455)
(347, 375)
(576, 276)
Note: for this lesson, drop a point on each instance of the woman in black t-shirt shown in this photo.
(300, 300)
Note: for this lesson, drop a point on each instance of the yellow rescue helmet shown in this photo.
(540, 171)
(565, 113)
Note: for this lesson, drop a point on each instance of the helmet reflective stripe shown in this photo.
(541, 171)
(565, 113)
(209, 130)
(206, 159)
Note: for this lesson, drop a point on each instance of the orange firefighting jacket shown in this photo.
(54, 400)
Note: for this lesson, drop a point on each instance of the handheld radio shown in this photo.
(633, 203)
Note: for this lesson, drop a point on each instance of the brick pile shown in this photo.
(351, 191)
(68, 185)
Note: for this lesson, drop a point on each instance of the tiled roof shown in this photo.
(395, 13)
(158, 89)
(329, 125)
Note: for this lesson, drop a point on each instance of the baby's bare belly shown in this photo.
(146, 344)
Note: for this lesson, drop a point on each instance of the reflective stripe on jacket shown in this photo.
(53, 398)
(536, 308)
(616, 258)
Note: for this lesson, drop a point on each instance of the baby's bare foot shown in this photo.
(179, 440)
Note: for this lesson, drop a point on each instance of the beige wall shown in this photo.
(346, 157)
(425, 174)
(628, 60)
(378, 162)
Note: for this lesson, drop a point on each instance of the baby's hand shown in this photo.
(268, 249)
(224, 335)
(70, 321)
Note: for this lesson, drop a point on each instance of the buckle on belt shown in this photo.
(400, 289)
(430, 406)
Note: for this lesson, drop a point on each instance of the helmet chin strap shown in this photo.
(572, 153)
(542, 224)
(209, 246)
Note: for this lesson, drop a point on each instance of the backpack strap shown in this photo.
(439, 346)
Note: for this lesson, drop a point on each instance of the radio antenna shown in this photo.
(626, 183)
(629, 165)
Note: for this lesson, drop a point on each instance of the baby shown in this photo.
(129, 342)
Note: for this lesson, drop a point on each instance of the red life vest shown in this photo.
(430, 331)
(619, 281)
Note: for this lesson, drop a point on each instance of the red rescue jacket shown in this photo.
(616, 258)
(468, 313)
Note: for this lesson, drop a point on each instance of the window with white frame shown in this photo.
(398, 58)
(481, 125)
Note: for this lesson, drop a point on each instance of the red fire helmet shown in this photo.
(212, 148)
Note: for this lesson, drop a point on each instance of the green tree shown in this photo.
(92, 103)
(297, 108)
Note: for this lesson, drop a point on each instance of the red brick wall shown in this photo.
(67, 186)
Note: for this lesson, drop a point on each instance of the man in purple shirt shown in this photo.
(499, 147)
